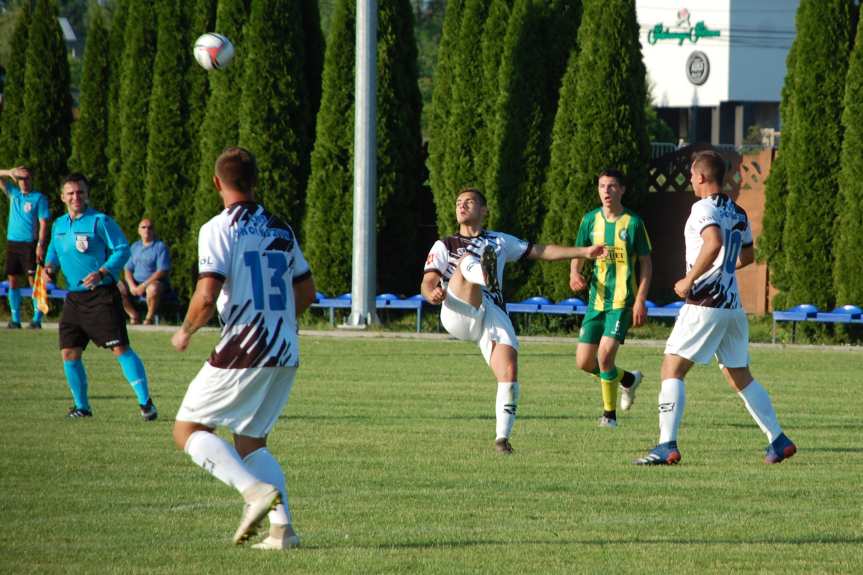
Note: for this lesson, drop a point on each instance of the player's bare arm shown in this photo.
(576, 280)
(711, 247)
(42, 241)
(746, 257)
(200, 311)
(304, 295)
(431, 288)
(645, 274)
(551, 252)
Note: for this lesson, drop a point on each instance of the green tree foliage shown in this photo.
(847, 277)
(769, 243)
(274, 113)
(116, 49)
(201, 16)
(465, 129)
(47, 119)
(529, 84)
(823, 46)
(170, 176)
(329, 221)
(13, 95)
(313, 61)
(439, 117)
(136, 85)
(13, 108)
(221, 127)
(90, 132)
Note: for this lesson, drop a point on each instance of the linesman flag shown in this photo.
(40, 291)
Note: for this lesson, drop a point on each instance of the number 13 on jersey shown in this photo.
(267, 269)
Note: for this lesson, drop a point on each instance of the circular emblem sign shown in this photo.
(697, 68)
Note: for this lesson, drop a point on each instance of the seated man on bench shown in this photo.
(146, 273)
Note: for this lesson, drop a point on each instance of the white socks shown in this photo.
(505, 407)
(672, 400)
(265, 467)
(471, 269)
(761, 409)
(218, 458)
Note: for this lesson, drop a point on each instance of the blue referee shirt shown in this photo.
(80, 247)
(25, 211)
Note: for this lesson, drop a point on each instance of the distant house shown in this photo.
(73, 43)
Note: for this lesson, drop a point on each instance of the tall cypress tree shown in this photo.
(116, 49)
(769, 243)
(399, 157)
(328, 223)
(13, 95)
(221, 127)
(314, 62)
(847, 277)
(444, 197)
(47, 119)
(493, 37)
(823, 46)
(465, 127)
(13, 108)
(169, 186)
(137, 83)
(275, 105)
(90, 132)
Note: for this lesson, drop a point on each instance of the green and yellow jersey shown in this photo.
(613, 285)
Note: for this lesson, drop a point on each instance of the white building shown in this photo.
(716, 67)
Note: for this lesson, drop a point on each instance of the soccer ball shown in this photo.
(213, 51)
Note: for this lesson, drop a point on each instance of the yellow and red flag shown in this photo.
(40, 291)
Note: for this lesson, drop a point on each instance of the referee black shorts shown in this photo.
(95, 315)
(20, 258)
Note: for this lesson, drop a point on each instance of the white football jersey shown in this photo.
(718, 286)
(259, 259)
(446, 253)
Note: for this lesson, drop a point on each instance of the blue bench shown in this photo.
(382, 302)
(575, 306)
(846, 314)
(669, 310)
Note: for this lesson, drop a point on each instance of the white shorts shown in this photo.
(702, 332)
(486, 326)
(246, 401)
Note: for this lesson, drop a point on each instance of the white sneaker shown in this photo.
(260, 499)
(607, 422)
(280, 538)
(627, 394)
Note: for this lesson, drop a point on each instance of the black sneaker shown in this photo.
(502, 446)
(148, 411)
(75, 412)
(488, 261)
(35, 325)
(14, 325)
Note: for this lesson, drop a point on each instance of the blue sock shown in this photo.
(37, 314)
(76, 377)
(133, 371)
(15, 304)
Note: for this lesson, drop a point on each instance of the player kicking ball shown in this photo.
(464, 273)
(250, 266)
(712, 322)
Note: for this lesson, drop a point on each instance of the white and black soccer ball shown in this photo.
(213, 51)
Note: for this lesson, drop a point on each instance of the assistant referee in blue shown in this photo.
(91, 250)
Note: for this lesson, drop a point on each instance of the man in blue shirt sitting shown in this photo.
(91, 250)
(26, 237)
(146, 273)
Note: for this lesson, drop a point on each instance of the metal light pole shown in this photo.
(364, 270)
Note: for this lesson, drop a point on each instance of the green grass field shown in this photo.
(387, 445)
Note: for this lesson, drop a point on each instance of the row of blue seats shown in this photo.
(846, 314)
(53, 291)
(382, 301)
(574, 305)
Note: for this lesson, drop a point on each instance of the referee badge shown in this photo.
(81, 243)
(27, 207)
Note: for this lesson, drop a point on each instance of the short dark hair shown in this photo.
(711, 164)
(612, 173)
(238, 169)
(482, 201)
(78, 178)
